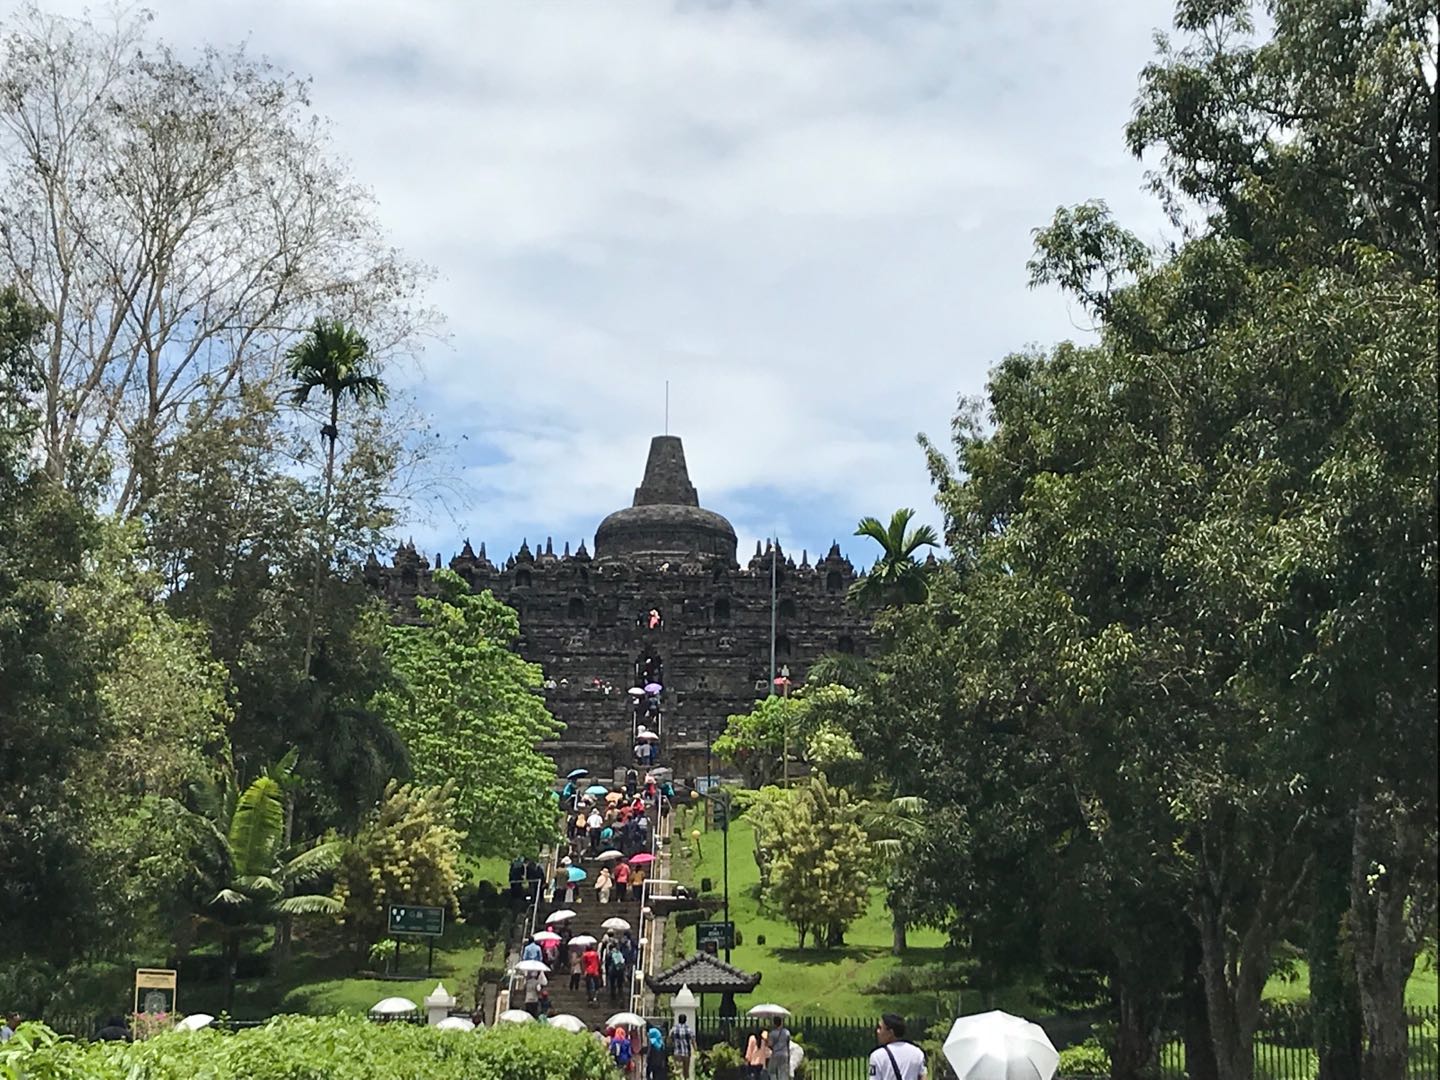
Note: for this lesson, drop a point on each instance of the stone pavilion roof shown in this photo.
(704, 974)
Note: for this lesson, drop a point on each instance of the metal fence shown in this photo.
(838, 1048)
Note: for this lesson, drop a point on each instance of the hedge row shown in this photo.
(313, 1048)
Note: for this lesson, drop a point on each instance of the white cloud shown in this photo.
(812, 217)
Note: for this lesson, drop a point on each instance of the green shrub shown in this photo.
(896, 981)
(722, 1062)
(1088, 1058)
(314, 1048)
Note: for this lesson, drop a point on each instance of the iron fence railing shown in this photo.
(838, 1048)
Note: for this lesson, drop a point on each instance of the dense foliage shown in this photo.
(198, 707)
(470, 712)
(304, 1048)
(406, 852)
(1173, 697)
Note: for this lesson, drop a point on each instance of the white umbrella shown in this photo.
(648, 736)
(195, 1021)
(394, 1006)
(532, 967)
(769, 1010)
(998, 1046)
(610, 856)
(455, 1023)
(559, 916)
(514, 1016)
(626, 1020)
(614, 924)
(582, 939)
(566, 1022)
(546, 937)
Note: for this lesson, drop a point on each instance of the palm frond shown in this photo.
(320, 859)
(256, 828)
(230, 897)
(260, 883)
(313, 904)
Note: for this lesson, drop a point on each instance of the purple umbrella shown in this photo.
(653, 688)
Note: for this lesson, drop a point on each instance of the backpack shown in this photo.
(620, 1051)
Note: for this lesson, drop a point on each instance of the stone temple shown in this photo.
(663, 593)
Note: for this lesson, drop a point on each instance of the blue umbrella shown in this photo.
(575, 774)
(576, 874)
(597, 789)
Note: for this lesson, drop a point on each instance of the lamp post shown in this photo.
(711, 796)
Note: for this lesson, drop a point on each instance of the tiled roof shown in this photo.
(704, 974)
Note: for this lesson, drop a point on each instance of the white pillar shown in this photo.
(686, 1004)
(438, 1005)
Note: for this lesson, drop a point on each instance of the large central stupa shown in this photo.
(665, 521)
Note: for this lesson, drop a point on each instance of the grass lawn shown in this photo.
(832, 982)
(320, 979)
(813, 982)
(1420, 991)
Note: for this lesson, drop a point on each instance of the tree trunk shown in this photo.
(1232, 988)
(1334, 995)
(899, 928)
(322, 538)
(231, 953)
(1393, 893)
(1199, 1046)
(1136, 1052)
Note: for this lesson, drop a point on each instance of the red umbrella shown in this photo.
(641, 859)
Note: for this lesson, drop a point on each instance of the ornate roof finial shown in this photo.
(523, 555)
(567, 550)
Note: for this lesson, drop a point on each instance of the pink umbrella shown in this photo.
(641, 859)
(653, 688)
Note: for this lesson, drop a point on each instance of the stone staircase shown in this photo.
(589, 914)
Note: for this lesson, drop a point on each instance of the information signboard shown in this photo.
(710, 936)
(155, 990)
(417, 919)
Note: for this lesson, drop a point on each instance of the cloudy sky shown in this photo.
(810, 216)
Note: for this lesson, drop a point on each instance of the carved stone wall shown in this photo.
(586, 622)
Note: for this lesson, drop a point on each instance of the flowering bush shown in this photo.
(143, 1025)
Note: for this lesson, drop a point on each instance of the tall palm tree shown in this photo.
(897, 578)
(336, 360)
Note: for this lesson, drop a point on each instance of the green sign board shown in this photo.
(414, 919)
(717, 935)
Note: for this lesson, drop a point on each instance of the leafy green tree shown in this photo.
(407, 851)
(897, 577)
(819, 864)
(469, 711)
(335, 360)
(756, 742)
(231, 531)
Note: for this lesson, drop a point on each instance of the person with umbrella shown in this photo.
(595, 823)
(779, 1040)
(603, 884)
(616, 967)
(590, 964)
(577, 967)
(622, 881)
(620, 1051)
(895, 1059)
